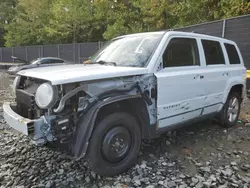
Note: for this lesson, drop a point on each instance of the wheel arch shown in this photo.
(239, 88)
(87, 122)
(134, 106)
(235, 87)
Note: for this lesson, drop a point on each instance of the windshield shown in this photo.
(35, 61)
(131, 51)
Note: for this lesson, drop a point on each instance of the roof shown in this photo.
(50, 58)
(180, 33)
(142, 33)
(198, 35)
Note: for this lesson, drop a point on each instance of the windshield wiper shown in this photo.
(104, 63)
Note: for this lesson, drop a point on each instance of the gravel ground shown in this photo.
(202, 155)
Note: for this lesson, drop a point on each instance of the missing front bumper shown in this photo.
(31, 128)
(17, 122)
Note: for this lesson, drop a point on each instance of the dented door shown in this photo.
(181, 95)
(215, 76)
(180, 83)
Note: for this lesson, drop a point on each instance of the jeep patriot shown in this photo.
(136, 87)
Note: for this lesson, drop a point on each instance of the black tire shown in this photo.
(224, 117)
(102, 150)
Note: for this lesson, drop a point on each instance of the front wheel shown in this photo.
(231, 110)
(114, 145)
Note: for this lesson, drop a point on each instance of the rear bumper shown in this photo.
(31, 128)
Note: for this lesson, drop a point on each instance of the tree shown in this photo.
(115, 17)
(188, 12)
(72, 21)
(7, 13)
(153, 13)
(28, 25)
(123, 17)
(232, 8)
(66, 21)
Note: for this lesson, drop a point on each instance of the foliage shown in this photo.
(28, 25)
(71, 21)
(29, 22)
(7, 13)
(236, 7)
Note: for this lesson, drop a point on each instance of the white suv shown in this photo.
(137, 87)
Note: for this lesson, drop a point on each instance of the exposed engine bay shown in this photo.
(59, 108)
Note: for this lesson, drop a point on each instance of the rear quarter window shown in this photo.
(232, 54)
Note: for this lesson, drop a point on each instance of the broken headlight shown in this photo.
(46, 96)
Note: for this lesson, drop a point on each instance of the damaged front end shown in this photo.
(64, 115)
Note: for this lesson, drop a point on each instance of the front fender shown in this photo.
(86, 124)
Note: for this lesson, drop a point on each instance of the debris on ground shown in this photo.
(201, 155)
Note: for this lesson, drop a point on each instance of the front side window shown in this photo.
(181, 52)
(232, 54)
(129, 51)
(213, 52)
(46, 61)
(56, 61)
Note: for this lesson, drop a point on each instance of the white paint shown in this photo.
(17, 122)
(78, 73)
(180, 90)
(180, 96)
(183, 93)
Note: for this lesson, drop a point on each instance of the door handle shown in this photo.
(225, 74)
(198, 76)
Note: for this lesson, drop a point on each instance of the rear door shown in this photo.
(216, 75)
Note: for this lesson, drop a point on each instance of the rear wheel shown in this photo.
(114, 145)
(231, 110)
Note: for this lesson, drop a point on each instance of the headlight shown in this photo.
(46, 96)
(16, 83)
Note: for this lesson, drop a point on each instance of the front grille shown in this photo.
(25, 103)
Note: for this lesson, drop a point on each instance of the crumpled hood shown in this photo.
(79, 72)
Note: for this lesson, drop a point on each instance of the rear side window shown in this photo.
(181, 52)
(213, 52)
(232, 54)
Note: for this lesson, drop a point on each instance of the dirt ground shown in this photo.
(200, 155)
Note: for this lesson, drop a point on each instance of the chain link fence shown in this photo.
(236, 29)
